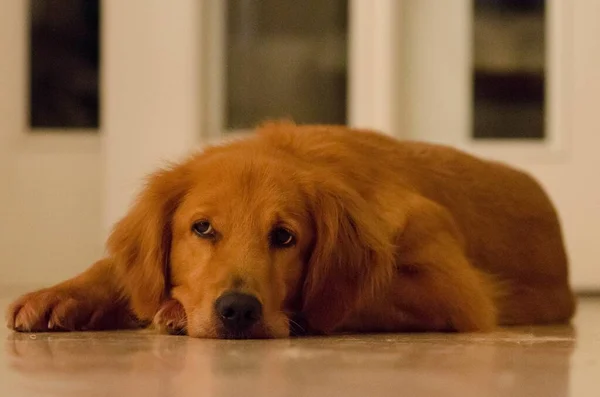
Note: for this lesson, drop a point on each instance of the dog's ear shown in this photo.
(139, 244)
(352, 256)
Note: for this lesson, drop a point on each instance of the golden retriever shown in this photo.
(321, 229)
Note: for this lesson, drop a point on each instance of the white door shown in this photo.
(517, 81)
(66, 175)
(50, 178)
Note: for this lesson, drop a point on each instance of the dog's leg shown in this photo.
(448, 295)
(91, 301)
(171, 318)
(435, 284)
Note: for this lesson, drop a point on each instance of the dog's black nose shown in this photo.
(238, 312)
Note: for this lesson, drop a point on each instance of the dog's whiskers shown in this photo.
(296, 328)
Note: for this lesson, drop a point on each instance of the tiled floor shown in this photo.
(546, 362)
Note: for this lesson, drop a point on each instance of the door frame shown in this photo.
(152, 92)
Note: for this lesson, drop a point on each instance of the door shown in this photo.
(516, 81)
(50, 153)
(79, 131)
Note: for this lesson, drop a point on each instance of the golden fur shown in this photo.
(390, 236)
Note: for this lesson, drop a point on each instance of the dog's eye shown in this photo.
(203, 229)
(281, 238)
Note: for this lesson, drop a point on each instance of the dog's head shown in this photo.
(247, 236)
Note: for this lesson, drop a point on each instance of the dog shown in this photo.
(317, 229)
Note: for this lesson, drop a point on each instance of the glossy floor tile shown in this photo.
(557, 361)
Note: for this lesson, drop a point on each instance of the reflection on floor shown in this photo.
(553, 361)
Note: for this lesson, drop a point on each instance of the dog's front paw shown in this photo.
(55, 309)
(171, 318)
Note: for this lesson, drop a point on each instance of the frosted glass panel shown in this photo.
(64, 63)
(285, 59)
(509, 69)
